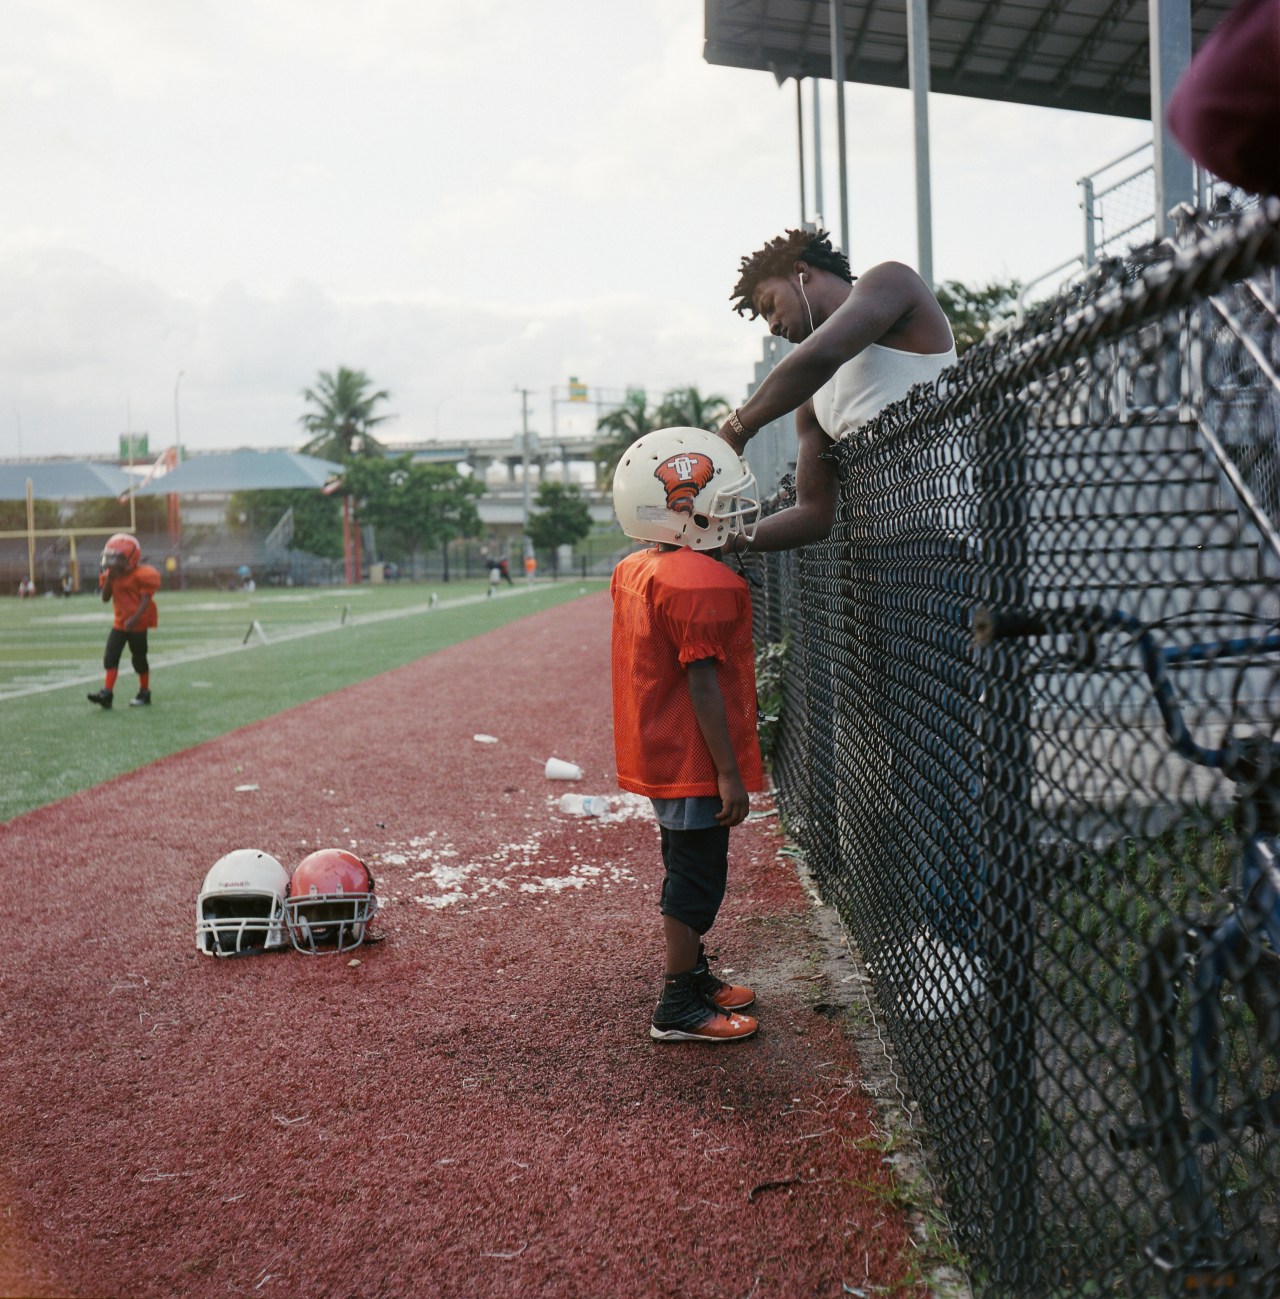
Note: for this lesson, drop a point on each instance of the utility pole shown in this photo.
(524, 462)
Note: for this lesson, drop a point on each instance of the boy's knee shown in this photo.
(699, 919)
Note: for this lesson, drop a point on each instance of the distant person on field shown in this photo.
(1225, 109)
(504, 571)
(684, 700)
(131, 586)
(495, 576)
(861, 344)
(26, 588)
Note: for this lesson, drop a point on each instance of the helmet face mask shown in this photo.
(684, 487)
(240, 907)
(330, 902)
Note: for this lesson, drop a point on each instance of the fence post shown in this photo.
(1009, 903)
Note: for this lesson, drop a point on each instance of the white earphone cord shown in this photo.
(805, 296)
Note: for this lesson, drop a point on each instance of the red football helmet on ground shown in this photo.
(330, 902)
(121, 552)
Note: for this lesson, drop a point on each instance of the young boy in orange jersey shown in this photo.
(130, 585)
(684, 700)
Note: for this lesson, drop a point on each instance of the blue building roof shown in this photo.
(61, 480)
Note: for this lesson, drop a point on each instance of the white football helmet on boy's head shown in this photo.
(240, 908)
(684, 486)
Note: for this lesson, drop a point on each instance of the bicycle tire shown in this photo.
(1214, 1141)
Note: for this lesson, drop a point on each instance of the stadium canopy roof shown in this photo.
(61, 480)
(1120, 57)
(242, 471)
(1087, 55)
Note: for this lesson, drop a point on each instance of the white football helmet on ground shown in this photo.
(686, 487)
(240, 907)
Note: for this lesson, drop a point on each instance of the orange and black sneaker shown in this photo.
(727, 996)
(683, 1014)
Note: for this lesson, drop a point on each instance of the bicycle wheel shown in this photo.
(1207, 1043)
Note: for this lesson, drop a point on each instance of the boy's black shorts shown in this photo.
(697, 863)
(137, 643)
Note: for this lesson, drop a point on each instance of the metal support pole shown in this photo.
(1170, 27)
(918, 78)
(1090, 235)
(1009, 894)
(837, 75)
(800, 156)
(817, 152)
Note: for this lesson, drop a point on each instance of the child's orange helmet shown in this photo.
(121, 551)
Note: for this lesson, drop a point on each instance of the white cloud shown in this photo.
(458, 199)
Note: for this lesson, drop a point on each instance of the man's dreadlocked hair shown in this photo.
(779, 255)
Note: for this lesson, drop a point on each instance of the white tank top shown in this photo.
(861, 388)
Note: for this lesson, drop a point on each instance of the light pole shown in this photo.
(171, 501)
(177, 432)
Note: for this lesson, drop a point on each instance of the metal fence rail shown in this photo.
(1033, 871)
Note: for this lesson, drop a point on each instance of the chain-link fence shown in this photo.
(1049, 580)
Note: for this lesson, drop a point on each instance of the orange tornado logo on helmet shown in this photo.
(684, 476)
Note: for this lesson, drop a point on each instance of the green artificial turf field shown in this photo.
(219, 660)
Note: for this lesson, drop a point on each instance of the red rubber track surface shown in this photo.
(475, 1108)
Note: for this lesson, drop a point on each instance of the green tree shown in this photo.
(688, 408)
(562, 518)
(414, 506)
(340, 426)
(13, 515)
(317, 519)
(975, 311)
(633, 419)
(151, 513)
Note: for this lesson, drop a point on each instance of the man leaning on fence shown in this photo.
(861, 344)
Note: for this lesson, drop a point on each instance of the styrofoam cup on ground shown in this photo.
(557, 769)
(584, 804)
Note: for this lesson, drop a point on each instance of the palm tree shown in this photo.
(340, 426)
(627, 422)
(688, 408)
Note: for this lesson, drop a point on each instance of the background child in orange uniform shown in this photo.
(684, 700)
(131, 586)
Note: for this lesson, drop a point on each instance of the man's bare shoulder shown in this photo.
(890, 274)
(909, 313)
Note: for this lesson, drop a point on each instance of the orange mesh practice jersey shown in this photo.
(672, 608)
(127, 593)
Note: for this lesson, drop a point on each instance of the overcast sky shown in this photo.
(459, 199)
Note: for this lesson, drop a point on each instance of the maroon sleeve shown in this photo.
(1225, 110)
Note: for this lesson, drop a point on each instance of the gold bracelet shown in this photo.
(737, 426)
